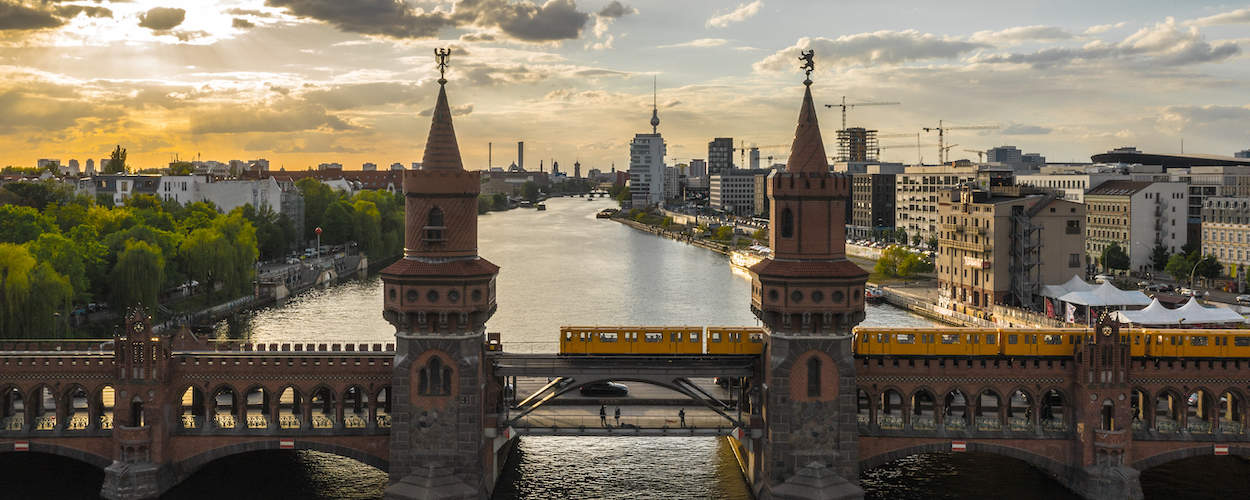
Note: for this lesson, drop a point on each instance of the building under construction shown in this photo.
(857, 144)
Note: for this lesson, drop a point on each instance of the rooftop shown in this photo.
(1119, 188)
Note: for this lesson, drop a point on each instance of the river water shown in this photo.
(563, 266)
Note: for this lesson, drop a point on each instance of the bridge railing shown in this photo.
(46, 345)
(531, 347)
(625, 422)
(338, 347)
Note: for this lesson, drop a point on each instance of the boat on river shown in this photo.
(606, 213)
(745, 258)
(541, 206)
(874, 295)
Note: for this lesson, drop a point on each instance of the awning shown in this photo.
(1075, 284)
(1153, 314)
(1193, 312)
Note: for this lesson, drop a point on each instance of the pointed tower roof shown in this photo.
(807, 153)
(441, 150)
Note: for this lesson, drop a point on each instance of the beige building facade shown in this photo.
(1000, 246)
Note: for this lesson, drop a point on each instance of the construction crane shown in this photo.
(941, 130)
(917, 145)
(980, 154)
(742, 150)
(845, 106)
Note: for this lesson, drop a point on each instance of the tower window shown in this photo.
(434, 378)
(813, 377)
(787, 223)
(434, 226)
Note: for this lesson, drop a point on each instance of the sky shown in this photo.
(301, 82)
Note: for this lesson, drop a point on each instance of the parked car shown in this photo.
(1101, 278)
(1243, 299)
(1192, 292)
(604, 389)
(1158, 287)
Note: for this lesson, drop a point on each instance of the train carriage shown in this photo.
(734, 340)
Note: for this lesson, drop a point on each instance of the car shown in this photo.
(1102, 278)
(1243, 299)
(604, 389)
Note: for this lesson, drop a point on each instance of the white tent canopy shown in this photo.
(1076, 284)
(1105, 295)
(1192, 313)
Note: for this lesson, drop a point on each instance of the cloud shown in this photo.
(38, 107)
(241, 23)
(1103, 28)
(742, 13)
(359, 95)
(1019, 34)
(69, 11)
(455, 110)
(523, 20)
(701, 42)
(1206, 114)
(248, 12)
(1235, 17)
(876, 48)
(15, 15)
(480, 36)
(616, 9)
(1022, 129)
(281, 116)
(1163, 45)
(162, 18)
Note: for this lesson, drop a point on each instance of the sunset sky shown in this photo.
(307, 81)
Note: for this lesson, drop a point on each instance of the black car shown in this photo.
(604, 389)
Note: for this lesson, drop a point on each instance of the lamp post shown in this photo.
(318, 231)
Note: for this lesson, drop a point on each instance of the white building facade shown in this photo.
(646, 169)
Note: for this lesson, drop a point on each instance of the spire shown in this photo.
(441, 150)
(807, 153)
(655, 113)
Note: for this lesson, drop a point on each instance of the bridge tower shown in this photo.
(142, 417)
(808, 296)
(438, 297)
(1104, 416)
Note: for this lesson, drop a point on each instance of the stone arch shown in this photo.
(988, 417)
(40, 416)
(12, 408)
(1020, 408)
(104, 403)
(863, 405)
(1141, 408)
(1056, 409)
(1041, 462)
(1199, 407)
(77, 417)
(87, 457)
(356, 403)
(223, 395)
(1231, 410)
(191, 406)
(1200, 450)
(290, 410)
(187, 467)
(382, 401)
(323, 404)
(434, 379)
(1167, 410)
(956, 408)
(922, 408)
(802, 387)
(891, 408)
(256, 413)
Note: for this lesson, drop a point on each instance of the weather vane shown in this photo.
(441, 56)
(809, 64)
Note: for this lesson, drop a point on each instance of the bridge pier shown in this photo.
(132, 481)
(1107, 482)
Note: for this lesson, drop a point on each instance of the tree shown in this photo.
(1209, 268)
(1179, 266)
(367, 228)
(116, 163)
(21, 224)
(897, 261)
(16, 263)
(240, 237)
(66, 259)
(40, 194)
(529, 191)
(206, 255)
(1114, 257)
(137, 276)
(336, 226)
(317, 198)
(900, 236)
(1159, 258)
(760, 235)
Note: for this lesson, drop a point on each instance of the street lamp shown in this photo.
(318, 231)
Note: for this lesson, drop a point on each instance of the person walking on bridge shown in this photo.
(681, 414)
(603, 415)
(618, 416)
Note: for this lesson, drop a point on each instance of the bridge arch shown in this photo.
(93, 459)
(1201, 450)
(1041, 462)
(189, 466)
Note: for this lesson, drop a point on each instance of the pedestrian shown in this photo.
(618, 416)
(681, 414)
(603, 415)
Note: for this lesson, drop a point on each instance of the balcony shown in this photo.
(966, 245)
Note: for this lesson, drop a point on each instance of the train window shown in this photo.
(713, 337)
(948, 338)
(906, 338)
(607, 337)
(757, 338)
(1241, 341)
(1011, 338)
(675, 337)
(1198, 340)
(653, 337)
(991, 338)
(974, 338)
(1052, 339)
(694, 336)
(1136, 340)
(865, 337)
(568, 336)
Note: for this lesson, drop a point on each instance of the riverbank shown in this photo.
(674, 235)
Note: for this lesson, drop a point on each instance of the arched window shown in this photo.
(813, 377)
(434, 226)
(434, 378)
(787, 223)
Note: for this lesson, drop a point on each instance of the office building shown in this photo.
(720, 155)
(1138, 216)
(733, 191)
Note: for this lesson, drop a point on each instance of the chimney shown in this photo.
(520, 154)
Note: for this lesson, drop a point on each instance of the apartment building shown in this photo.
(1226, 232)
(1138, 216)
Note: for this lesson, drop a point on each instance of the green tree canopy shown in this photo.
(138, 275)
(529, 191)
(22, 224)
(1159, 258)
(1114, 257)
(66, 258)
(336, 227)
(317, 199)
(116, 163)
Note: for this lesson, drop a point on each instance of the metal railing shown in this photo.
(625, 422)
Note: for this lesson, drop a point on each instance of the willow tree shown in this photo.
(138, 275)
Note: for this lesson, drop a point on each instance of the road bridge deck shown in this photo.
(645, 366)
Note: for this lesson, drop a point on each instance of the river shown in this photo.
(563, 266)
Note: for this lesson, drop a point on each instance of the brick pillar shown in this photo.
(1102, 366)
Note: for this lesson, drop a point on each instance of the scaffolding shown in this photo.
(857, 144)
(1025, 266)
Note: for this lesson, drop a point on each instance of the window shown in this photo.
(434, 378)
(653, 337)
(813, 377)
(906, 338)
(434, 226)
(1074, 260)
(1198, 340)
(1052, 339)
(950, 338)
(787, 223)
(1241, 341)
(1073, 227)
(607, 337)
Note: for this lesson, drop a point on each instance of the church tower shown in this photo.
(439, 297)
(808, 296)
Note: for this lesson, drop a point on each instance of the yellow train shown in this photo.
(1159, 343)
(576, 340)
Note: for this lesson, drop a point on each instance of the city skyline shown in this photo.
(302, 82)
